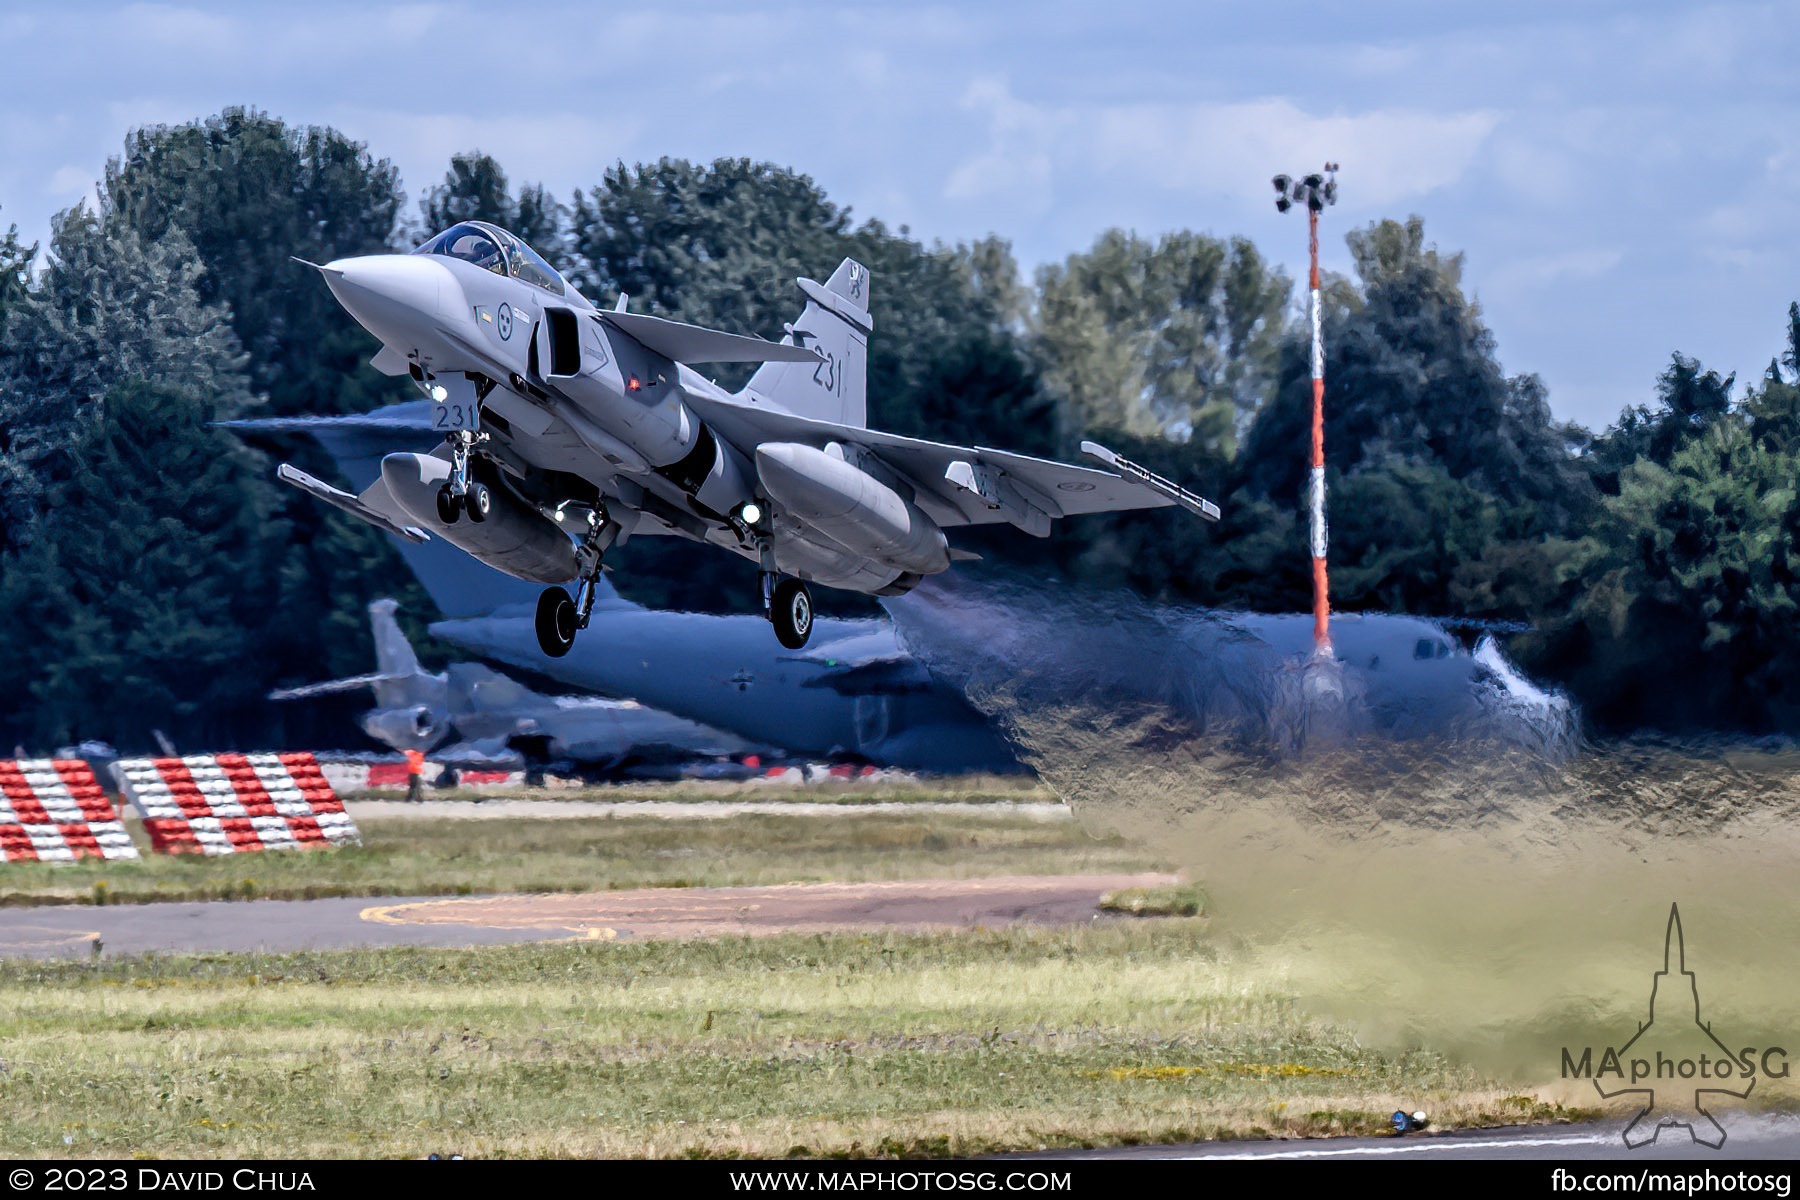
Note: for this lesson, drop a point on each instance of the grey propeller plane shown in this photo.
(569, 428)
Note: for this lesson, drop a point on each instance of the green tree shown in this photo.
(110, 308)
(1179, 335)
(1411, 374)
(126, 610)
(1452, 487)
(130, 521)
(476, 189)
(250, 193)
(1688, 598)
(15, 269)
(1689, 401)
(722, 242)
(1774, 407)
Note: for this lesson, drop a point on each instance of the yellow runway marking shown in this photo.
(477, 913)
(34, 937)
(737, 911)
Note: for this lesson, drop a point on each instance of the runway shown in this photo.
(643, 914)
(1755, 1136)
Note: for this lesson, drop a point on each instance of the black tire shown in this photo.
(556, 617)
(479, 501)
(448, 506)
(791, 610)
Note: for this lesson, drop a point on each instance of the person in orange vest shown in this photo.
(415, 775)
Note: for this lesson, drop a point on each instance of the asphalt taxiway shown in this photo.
(651, 913)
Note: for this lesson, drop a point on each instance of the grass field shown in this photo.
(1125, 1030)
(821, 1045)
(427, 856)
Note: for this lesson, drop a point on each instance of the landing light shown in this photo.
(752, 513)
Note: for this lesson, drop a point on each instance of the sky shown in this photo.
(1623, 178)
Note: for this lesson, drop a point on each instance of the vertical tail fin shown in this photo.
(836, 323)
(393, 653)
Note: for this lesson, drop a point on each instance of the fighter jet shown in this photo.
(568, 429)
(499, 720)
(854, 692)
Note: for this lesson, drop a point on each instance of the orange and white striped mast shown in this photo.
(1315, 192)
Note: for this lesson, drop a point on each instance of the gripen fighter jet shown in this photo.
(568, 428)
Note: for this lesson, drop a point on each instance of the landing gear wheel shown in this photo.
(791, 610)
(557, 621)
(479, 501)
(448, 506)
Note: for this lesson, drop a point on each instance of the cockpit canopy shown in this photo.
(493, 249)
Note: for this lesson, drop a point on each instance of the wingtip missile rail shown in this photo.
(1200, 506)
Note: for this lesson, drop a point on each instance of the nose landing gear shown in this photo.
(478, 502)
(460, 493)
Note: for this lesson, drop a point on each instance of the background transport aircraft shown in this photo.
(1403, 679)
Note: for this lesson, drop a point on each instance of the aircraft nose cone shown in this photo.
(396, 297)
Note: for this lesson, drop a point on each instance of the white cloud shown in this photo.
(1537, 272)
(70, 183)
(188, 30)
(1207, 149)
(533, 145)
(1016, 165)
(1392, 154)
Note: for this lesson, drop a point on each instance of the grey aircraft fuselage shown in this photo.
(1409, 678)
(725, 671)
(569, 428)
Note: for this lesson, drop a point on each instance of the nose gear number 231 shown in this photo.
(456, 414)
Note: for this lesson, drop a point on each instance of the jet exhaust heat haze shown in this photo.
(1412, 837)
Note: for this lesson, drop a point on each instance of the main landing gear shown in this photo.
(789, 605)
(559, 618)
(461, 494)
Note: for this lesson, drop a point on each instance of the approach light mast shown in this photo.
(1315, 192)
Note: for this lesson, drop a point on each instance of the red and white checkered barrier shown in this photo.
(55, 810)
(230, 803)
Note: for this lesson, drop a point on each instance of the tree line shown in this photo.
(154, 577)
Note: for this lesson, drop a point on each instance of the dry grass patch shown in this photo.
(1176, 900)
